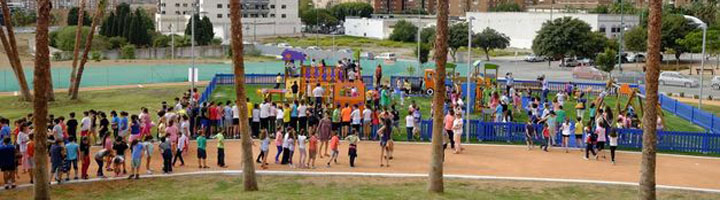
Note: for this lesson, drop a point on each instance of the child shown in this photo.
(279, 143)
(285, 151)
(180, 147)
(566, 130)
(352, 139)
(85, 156)
(600, 145)
(614, 142)
(30, 156)
(119, 160)
(264, 148)
(591, 138)
(546, 138)
(302, 138)
(166, 150)
(220, 149)
(71, 160)
(529, 135)
(409, 125)
(578, 132)
(201, 151)
(100, 159)
(334, 143)
(312, 150)
(148, 152)
(290, 147)
(385, 132)
(136, 155)
(9, 159)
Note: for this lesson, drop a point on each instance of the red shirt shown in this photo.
(213, 112)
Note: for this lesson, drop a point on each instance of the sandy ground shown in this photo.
(489, 160)
(694, 101)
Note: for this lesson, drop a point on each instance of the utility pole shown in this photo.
(620, 41)
(467, 83)
(192, 45)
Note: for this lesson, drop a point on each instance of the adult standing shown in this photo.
(324, 128)
(318, 94)
(458, 131)
(449, 120)
(264, 114)
(509, 82)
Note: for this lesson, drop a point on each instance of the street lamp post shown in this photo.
(703, 26)
(192, 45)
(172, 44)
(620, 40)
(418, 46)
(467, 83)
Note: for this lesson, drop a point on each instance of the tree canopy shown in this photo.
(318, 17)
(635, 39)
(674, 27)
(490, 39)
(568, 36)
(693, 42)
(135, 27)
(457, 37)
(427, 35)
(404, 31)
(72, 17)
(359, 9)
(424, 53)
(606, 60)
(506, 7)
(203, 30)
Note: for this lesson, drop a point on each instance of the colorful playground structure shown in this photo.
(338, 89)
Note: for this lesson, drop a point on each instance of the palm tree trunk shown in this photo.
(99, 12)
(249, 179)
(41, 85)
(12, 53)
(76, 51)
(647, 165)
(435, 178)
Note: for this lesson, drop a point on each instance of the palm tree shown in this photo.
(76, 51)
(249, 179)
(647, 165)
(41, 85)
(435, 178)
(99, 12)
(12, 53)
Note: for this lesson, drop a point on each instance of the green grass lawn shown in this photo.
(127, 99)
(338, 187)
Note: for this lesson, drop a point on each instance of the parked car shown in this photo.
(367, 55)
(715, 83)
(534, 58)
(345, 51)
(313, 48)
(387, 56)
(569, 62)
(635, 57)
(675, 78)
(588, 72)
(585, 62)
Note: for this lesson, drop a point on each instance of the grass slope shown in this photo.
(294, 187)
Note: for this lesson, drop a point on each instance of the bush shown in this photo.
(161, 41)
(682, 94)
(216, 41)
(696, 96)
(96, 56)
(57, 56)
(128, 52)
(252, 51)
(710, 97)
(64, 39)
(117, 42)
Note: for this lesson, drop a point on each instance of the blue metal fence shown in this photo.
(697, 142)
(702, 118)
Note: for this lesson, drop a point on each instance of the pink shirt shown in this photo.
(278, 138)
(449, 119)
(173, 132)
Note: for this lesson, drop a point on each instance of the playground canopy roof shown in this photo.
(288, 55)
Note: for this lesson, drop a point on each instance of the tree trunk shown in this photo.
(41, 85)
(435, 177)
(76, 51)
(88, 42)
(487, 54)
(647, 165)
(12, 53)
(249, 179)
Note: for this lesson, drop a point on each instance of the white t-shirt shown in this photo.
(264, 110)
(566, 129)
(613, 141)
(458, 126)
(410, 121)
(318, 91)
(301, 110)
(560, 97)
(256, 115)
(279, 113)
(85, 124)
(236, 112)
(367, 115)
(301, 142)
(272, 111)
(181, 142)
(355, 116)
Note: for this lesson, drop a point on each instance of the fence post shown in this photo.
(675, 106)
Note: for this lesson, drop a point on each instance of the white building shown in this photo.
(260, 17)
(378, 28)
(522, 27)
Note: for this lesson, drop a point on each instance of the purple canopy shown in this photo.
(289, 54)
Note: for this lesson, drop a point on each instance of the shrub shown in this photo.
(96, 56)
(696, 96)
(682, 94)
(128, 52)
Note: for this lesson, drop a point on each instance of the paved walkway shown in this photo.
(482, 160)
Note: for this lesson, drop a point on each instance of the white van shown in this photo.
(387, 56)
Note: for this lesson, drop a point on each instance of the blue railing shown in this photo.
(696, 142)
(699, 117)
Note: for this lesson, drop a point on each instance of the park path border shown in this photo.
(393, 175)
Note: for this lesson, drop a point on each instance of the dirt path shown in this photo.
(691, 100)
(490, 160)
